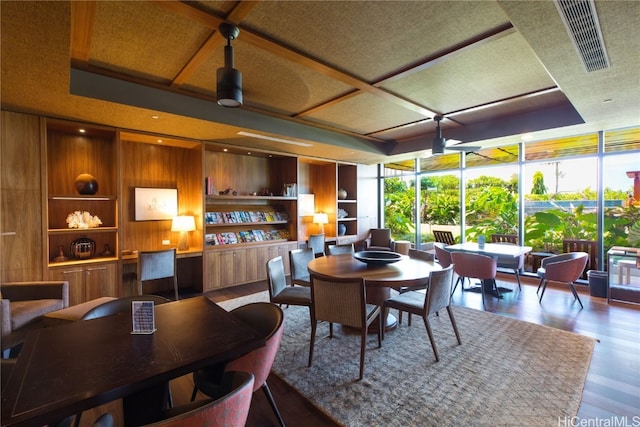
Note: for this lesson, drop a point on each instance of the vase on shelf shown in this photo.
(342, 229)
(342, 194)
(83, 248)
(86, 184)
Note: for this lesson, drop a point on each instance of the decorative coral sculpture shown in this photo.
(83, 219)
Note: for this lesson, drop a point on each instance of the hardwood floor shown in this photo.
(612, 389)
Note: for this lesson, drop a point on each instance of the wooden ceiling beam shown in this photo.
(83, 14)
(237, 14)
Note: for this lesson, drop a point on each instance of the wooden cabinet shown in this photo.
(87, 281)
(21, 232)
(73, 149)
(347, 200)
(253, 220)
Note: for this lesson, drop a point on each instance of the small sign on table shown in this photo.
(142, 313)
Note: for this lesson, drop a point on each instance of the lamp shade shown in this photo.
(183, 223)
(320, 218)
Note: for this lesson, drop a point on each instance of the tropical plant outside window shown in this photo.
(562, 193)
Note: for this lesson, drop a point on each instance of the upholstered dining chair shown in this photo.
(345, 248)
(279, 292)
(268, 320)
(437, 297)
(476, 266)
(316, 242)
(443, 256)
(342, 300)
(541, 271)
(298, 260)
(121, 305)
(227, 407)
(154, 265)
(415, 254)
(380, 240)
(565, 268)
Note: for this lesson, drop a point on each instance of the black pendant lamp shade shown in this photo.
(229, 80)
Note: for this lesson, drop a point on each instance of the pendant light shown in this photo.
(229, 80)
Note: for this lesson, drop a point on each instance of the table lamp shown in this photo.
(183, 224)
(322, 219)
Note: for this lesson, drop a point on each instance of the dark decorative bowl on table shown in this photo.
(377, 257)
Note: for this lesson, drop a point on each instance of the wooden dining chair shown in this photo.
(443, 257)
(444, 236)
(415, 254)
(437, 296)
(298, 260)
(588, 246)
(279, 292)
(316, 242)
(343, 301)
(346, 248)
(516, 264)
(153, 265)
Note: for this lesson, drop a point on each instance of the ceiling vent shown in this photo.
(581, 21)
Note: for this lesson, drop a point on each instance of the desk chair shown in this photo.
(154, 265)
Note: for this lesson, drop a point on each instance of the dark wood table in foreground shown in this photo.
(66, 369)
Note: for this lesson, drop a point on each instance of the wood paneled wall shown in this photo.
(158, 166)
(21, 199)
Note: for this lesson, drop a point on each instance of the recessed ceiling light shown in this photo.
(225, 150)
(81, 130)
(159, 141)
(155, 117)
(271, 138)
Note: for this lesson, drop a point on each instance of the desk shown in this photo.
(494, 250)
(379, 278)
(64, 370)
(188, 271)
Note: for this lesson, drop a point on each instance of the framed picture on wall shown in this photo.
(155, 203)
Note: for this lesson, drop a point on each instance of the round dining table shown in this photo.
(379, 278)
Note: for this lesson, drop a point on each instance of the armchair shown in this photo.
(380, 239)
(23, 303)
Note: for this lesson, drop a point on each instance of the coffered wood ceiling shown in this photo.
(351, 80)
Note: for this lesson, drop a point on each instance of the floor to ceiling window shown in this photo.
(399, 200)
(491, 197)
(545, 192)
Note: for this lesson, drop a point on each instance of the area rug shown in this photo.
(506, 372)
